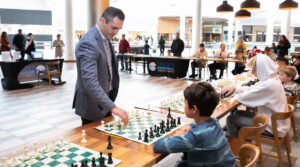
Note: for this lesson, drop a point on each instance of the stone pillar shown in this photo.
(270, 25)
(230, 30)
(197, 27)
(69, 32)
(95, 10)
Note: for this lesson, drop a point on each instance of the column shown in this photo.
(230, 30)
(95, 10)
(270, 25)
(69, 33)
(182, 27)
(285, 24)
(236, 29)
(197, 27)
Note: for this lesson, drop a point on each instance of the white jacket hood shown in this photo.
(265, 67)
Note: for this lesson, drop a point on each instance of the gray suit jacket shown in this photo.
(92, 99)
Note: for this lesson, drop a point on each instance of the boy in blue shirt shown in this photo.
(204, 140)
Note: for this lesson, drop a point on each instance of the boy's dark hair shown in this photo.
(202, 45)
(237, 52)
(267, 49)
(202, 95)
(286, 61)
(111, 12)
(29, 34)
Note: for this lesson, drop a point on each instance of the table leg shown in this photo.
(144, 66)
(130, 69)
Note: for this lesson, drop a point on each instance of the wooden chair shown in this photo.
(50, 72)
(277, 141)
(292, 100)
(249, 154)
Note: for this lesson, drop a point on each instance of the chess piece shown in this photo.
(94, 162)
(30, 161)
(146, 137)
(155, 127)
(162, 131)
(151, 133)
(14, 160)
(157, 132)
(72, 165)
(102, 123)
(83, 140)
(35, 150)
(140, 136)
(4, 162)
(168, 126)
(41, 155)
(53, 147)
(169, 113)
(109, 146)
(82, 164)
(110, 161)
(26, 152)
(22, 163)
(47, 147)
(61, 145)
(101, 160)
(68, 145)
(178, 121)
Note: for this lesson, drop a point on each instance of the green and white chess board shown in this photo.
(175, 103)
(71, 154)
(138, 123)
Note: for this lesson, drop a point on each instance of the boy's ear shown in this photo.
(195, 109)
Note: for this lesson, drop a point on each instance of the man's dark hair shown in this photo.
(202, 95)
(3, 35)
(111, 12)
(58, 35)
(29, 34)
(19, 30)
(202, 45)
(286, 61)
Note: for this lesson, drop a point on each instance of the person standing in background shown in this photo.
(5, 44)
(124, 47)
(30, 44)
(274, 48)
(177, 46)
(161, 44)
(283, 47)
(146, 48)
(19, 42)
(58, 44)
(241, 47)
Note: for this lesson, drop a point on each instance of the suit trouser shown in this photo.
(213, 68)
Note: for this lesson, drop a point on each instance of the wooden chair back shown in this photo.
(248, 155)
(280, 116)
(291, 99)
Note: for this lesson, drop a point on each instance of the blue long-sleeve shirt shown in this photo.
(205, 144)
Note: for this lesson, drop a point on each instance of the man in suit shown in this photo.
(177, 46)
(97, 70)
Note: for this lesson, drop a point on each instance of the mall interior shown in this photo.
(150, 83)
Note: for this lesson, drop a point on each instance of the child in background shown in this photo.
(146, 48)
(204, 141)
(283, 62)
(287, 75)
(239, 67)
(269, 53)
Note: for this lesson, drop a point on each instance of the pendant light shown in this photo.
(288, 5)
(224, 8)
(242, 14)
(250, 4)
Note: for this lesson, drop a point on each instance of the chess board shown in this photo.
(72, 154)
(136, 125)
(175, 105)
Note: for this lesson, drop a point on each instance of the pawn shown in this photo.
(22, 163)
(178, 121)
(94, 162)
(168, 127)
(41, 155)
(155, 127)
(157, 132)
(151, 134)
(140, 136)
(169, 113)
(14, 160)
(110, 161)
(83, 140)
(162, 131)
(146, 137)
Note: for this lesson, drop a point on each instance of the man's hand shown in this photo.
(228, 90)
(120, 113)
(183, 130)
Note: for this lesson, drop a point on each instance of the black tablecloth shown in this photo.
(12, 70)
(170, 67)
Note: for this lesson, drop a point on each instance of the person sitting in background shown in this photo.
(283, 62)
(146, 48)
(274, 48)
(5, 44)
(239, 67)
(204, 140)
(124, 47)
(296, 64)
(287, 75)
(241, 46)
(269, 53)
(267, 95)
(253, 52)
(201, 54)
(222, 54)
(30, 45)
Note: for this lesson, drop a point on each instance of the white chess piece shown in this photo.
(47, 147)
(41, 155)
(4, 162)
(26, 152)
(149, 112)
(35, 149)
(61, 145)
(22, 163)
(14, 160)
(83, 140)
(102, 123)
(53, 147)
(30, 161)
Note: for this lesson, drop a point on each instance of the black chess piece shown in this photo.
(94, 162)
(140, 136)
(72, 165)
(110, 161)
(151, 134)
(169, 113)
(155, 127)
(146, 137)
(109, 146)
(162, 131)
(101, 160)
(82, 164)
(76, 165)
(157, 132)
(178, 121)
(86, 163)
(168, 127)
(146, 131)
